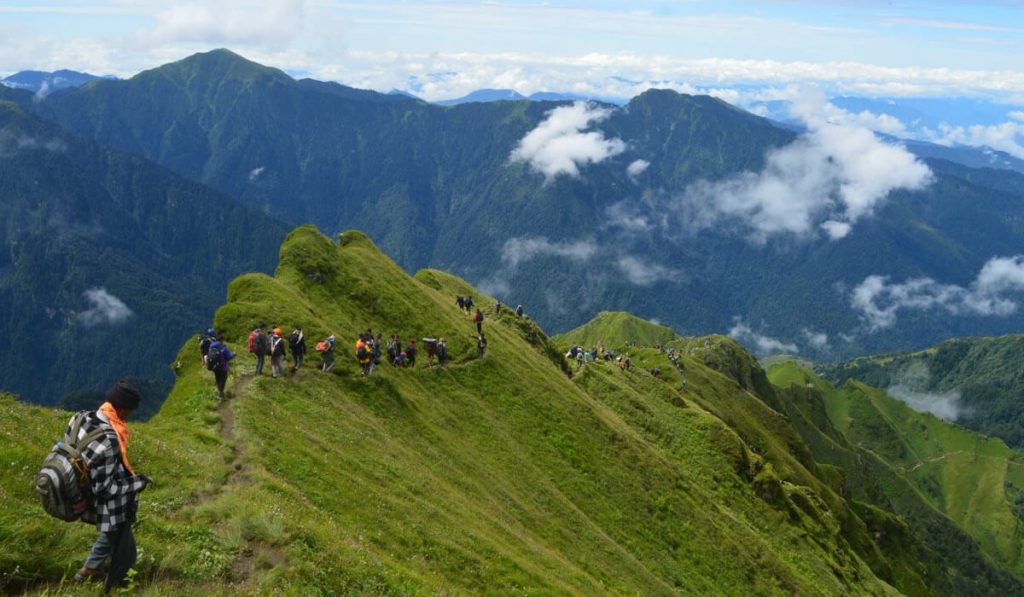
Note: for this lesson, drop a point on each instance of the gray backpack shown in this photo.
(63, 482)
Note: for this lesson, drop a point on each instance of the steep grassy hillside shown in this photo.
(975, 481)
(977, 381)
(617, 328)
(498, 475)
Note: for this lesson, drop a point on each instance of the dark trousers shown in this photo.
(259, 363)
(222, 378)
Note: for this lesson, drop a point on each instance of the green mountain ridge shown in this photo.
(979, 380)
(493, 475)
(617, 328)
(917, 463)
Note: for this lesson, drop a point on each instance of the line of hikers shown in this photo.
(216, 356)
(368, 350)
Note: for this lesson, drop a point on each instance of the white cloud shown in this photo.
(229, 21)
(879, 301)
(641, 273)
(621, 217)
(103, 308)
(520, 249)
(11, 145)
(559, 146)
(1007, 136)
(255, 173)
(637, 167)
(762, 345)
(945, 405)
(1016, 115)
(817, 340)
(829, 178)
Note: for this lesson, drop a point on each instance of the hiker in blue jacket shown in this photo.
(221, 356)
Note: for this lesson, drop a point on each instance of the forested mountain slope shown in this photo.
(437, 186)
(108, 261)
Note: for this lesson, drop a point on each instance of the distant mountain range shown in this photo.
(437, 186)
(45, 82)
(497, 95)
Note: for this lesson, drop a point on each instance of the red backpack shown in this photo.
(252, 340)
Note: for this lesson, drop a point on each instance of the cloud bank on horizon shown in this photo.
(444, 50)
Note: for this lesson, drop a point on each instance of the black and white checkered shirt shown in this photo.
(114, 489)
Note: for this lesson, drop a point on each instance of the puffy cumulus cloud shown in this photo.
(880, 302)
(944, 405)
(637, 167)
(255, 173)
(761, 344)
(828, 179)
(559, 146)
(642, 273)
(520, 249)
(103, 308)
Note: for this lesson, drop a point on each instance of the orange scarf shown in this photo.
(123, 435)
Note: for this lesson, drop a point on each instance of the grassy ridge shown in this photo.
(617, 328)
(918, 459)
(494, 475)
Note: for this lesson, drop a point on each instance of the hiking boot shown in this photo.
(88, 574)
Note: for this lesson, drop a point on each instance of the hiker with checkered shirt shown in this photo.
(114, 486)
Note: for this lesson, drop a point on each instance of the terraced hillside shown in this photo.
(500, 475)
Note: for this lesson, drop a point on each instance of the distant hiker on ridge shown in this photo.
(259, 345)
(442, 352)
(364, 354)
(410, 353)
(217, 360)
(481, 345)
(519, 311)
(277, 353)
(326, 350)
(430, 345)
(297, 343)
(115, 486)
(478, 318)
(205, 339)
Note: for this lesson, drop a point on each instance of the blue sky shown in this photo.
(446, 48)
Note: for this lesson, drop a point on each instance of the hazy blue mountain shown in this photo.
(36, 81)
(108, 262)
(973, 157)
(434, 186)
(484, 95)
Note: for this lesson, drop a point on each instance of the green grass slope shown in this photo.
(500, 475)
(918, 459)
(616, 328)
(984, 372)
